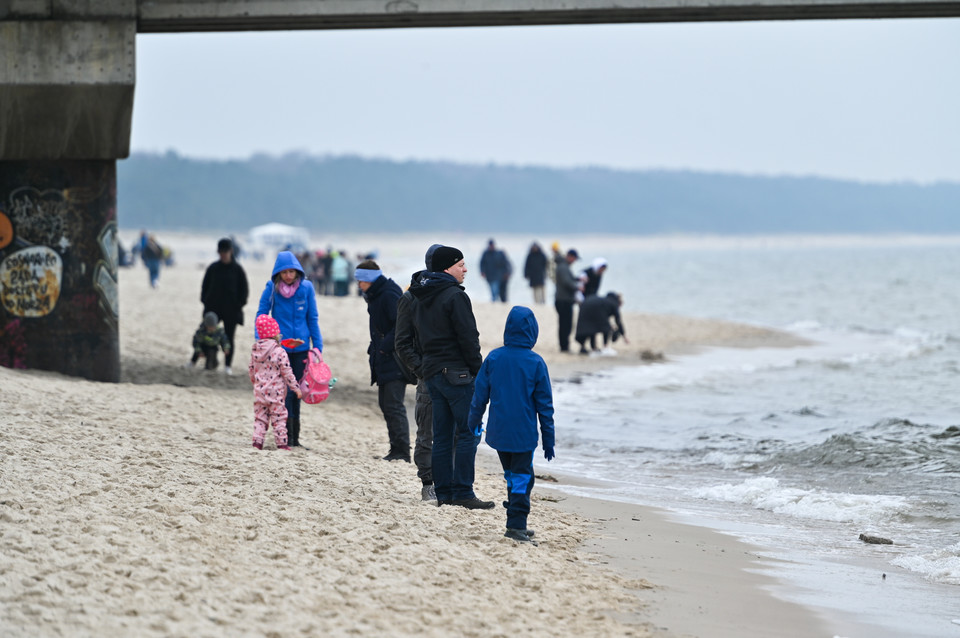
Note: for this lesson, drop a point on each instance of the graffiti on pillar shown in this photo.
(58, 267)
(6, 231)
(30, 281)
(13, 353)
(41, 217)
(105, 273)
(31, 275)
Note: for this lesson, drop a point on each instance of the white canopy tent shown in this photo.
(279, 236)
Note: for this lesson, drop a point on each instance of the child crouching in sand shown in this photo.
(515, 381)
(270, 374)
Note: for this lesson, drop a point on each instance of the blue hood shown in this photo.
(285, 261)
(522, 329)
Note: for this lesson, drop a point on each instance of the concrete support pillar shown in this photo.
(66, 104)
(58, 267)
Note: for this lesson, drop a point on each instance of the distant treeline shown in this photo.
(358, 194)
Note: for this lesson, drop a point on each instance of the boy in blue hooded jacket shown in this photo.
(515, 381)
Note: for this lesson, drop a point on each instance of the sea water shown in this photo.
(799, 450)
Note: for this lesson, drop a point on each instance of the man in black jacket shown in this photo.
(450, 350)
(382, 295)
(566, 296)
(224, 291)
(407, 346)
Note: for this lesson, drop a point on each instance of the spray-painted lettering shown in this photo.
(30, 281)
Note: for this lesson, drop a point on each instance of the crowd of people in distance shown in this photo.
(330, 270)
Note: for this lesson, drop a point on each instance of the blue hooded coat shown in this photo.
(515, 381)
(296, 316)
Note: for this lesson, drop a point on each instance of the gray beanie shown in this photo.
(211, 319)
(428, 258)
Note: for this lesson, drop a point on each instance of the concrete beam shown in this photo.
(68, 9)
(66, 89)
(238, 15)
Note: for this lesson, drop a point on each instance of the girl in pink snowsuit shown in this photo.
(270, 374)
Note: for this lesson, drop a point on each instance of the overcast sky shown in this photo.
(867, 100)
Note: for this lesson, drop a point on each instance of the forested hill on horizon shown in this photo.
(354, 194)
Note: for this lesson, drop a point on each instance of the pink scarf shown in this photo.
(287, 290)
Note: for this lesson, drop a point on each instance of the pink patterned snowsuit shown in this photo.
(270, 374)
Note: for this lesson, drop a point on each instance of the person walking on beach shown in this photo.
(208, 338)
(496, 269)
(289, 298)
(567, 288)
(151, 252)
(406, 345)
(450, 344)
(515, 381)
(594, 318)
(382, 295)
(535, 272)
(271, 375)
(224, 291)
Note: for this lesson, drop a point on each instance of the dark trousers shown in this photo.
(229, 327)
(390, 397)
(423, 448)
(210, 354)
(606, 332)
(298, 362)
(564, 322)
(518, 472)
(454, 443)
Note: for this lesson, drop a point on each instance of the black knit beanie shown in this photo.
(444, 257)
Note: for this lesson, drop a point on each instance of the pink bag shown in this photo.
(315, 386)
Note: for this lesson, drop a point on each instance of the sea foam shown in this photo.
(766, 493)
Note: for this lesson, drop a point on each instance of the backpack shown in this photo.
(315, 385)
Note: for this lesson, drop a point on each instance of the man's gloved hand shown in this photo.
(548, 453)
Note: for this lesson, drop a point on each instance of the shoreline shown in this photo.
(706, 583)
(700, 581)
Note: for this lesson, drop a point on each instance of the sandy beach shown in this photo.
(140, 508)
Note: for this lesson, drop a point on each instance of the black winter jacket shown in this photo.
(224, 291)
(595, 314)
(445, 325)
(535, 269)
(382, 298)
(405, 342)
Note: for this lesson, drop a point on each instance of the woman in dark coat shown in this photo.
(595, 315)
(224, 291)
(535, 271)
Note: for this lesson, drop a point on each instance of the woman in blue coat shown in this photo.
(515, 382)
(289, 297)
